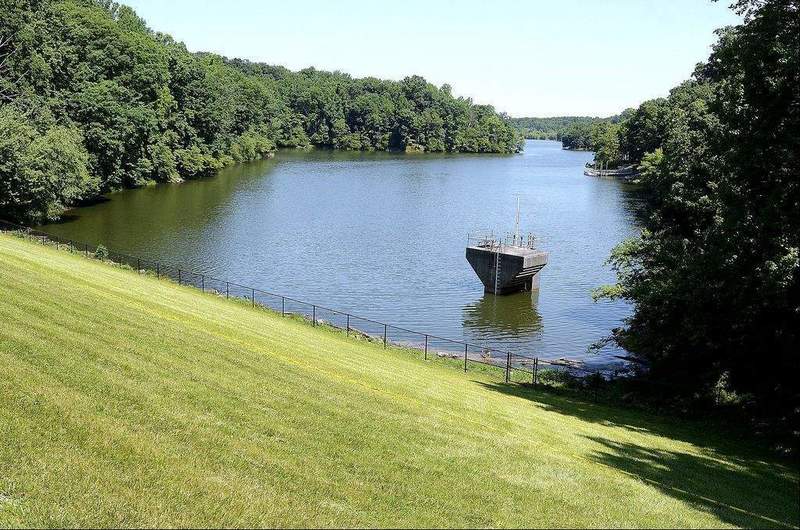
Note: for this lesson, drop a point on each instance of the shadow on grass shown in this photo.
(727, 476)
(749, 494)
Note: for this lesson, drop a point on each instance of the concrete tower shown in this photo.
(506, 265)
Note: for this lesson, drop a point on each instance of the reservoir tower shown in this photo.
(506, 264)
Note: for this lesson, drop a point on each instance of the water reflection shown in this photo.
(511, 316)
(168, 220)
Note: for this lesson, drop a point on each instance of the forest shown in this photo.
(92, 100)
(551, 128)
(714, 277)
(579, 133)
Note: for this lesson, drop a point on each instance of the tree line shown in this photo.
(92, 100)
(553, 128)
(580, 133)
(714, 277)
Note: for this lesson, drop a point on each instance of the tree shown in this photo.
(715, 276)
(606, 143)
(40, 173)
(642, 132)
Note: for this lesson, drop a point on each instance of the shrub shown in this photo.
(101, 253)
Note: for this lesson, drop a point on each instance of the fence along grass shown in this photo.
(514, 367)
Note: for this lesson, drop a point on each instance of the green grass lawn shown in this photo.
(129, 401)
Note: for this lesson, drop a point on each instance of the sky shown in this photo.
(525, 57)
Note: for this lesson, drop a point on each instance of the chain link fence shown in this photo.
(512, 367)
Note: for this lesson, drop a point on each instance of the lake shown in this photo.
(383, 235)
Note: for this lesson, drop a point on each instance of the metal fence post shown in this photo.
(348, 324)
(158, 270)
(283, 306)
(385, 329)
(227, 290)
(253, 296)
(508, 366)
(203, 282)
(313, 315)
(426, 347)
(535, 370)
(179, 277)
(465, 356)
(138, 265)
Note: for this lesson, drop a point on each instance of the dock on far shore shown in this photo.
(626, 172)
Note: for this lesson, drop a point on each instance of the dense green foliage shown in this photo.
(550, 128)
(40, 171)
(134, 106)
(578, 136)
(126, 401)
(715, 275)
(335, 110)
(634, 133)
(586, 136)
(599, 135)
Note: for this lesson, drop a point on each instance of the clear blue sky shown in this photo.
(527, 58)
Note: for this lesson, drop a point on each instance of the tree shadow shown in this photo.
(726, 474)
(750, 494)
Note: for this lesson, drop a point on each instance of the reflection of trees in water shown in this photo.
(513, 314)
(634, 202)
(152, 220)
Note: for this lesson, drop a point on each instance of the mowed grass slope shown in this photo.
(128, 401)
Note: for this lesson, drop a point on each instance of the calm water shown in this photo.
(383, 235)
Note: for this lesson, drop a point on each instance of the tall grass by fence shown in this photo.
(513, 366)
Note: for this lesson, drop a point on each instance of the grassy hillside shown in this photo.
(128, 401)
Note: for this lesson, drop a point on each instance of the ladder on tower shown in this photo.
(497, 265)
